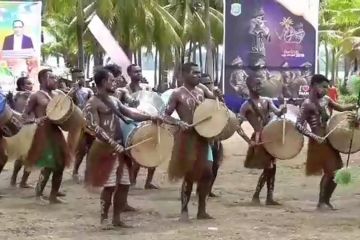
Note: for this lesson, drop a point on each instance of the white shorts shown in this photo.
(125, 177)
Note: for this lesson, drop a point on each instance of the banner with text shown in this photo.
(274, 40)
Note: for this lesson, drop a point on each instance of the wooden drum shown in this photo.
(272, 135)
(62, 111)
(10, 122)
(230, 128)
(341, 134)
(150, 153)
(217, 116)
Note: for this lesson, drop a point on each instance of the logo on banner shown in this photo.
(304, 90)
(235, 9)
(292, 36)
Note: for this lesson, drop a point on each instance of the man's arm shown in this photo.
(340, 108)
(242, 118)
(93, 123)
(277, 111)
(301, 122)
(133, 113)
(30, 108)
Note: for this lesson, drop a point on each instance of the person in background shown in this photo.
(82, 93)
(333, 94)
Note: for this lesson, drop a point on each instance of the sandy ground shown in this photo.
(23, 218)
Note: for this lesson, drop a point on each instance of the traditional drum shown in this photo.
(341, 133)
(230, 128)
(10, 121)
(157, 143)
(150, 102)
(272, 135)
(62, 111)
(18, 146)
(216, 117)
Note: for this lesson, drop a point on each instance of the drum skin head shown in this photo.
(151, 153)
(219, 118)
(272, 138)
(19, 145)
(341, 136)
(58, 107)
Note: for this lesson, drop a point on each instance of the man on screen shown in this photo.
(18, 40)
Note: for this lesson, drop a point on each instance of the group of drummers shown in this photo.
(124, 126)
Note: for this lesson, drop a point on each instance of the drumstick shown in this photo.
(332, 130)
(218, 103)
(200, 121)
(158, 133)
(284, 126)
(139, 143)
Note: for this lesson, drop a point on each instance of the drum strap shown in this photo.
(113, 108)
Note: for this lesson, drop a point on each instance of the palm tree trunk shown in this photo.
(200, 57)
(79, 33)
(217, 64)
(194, 53)
(139, 57)
(209, 68)
(189, 53)
(155, 67)
(326, 60)
(135, 58)
(333, 63)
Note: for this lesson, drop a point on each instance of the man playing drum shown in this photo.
(105, 168)
(24, 88)
(257, 111)
(192, 157)
(49, 149)
(321, 156)
(216, 146)
(135, 74)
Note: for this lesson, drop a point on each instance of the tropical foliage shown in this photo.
(173, 29)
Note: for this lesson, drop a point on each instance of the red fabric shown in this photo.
(332, 92)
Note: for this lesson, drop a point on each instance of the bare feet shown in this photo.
(149, 186)
(213, 195)
(55, 200)
(271, 202)
(120, 224)
(255, 201)
(60, 194)
(325, 207)
(204, 216)
(106, 225)
(25, 185)
(128, 208)
(76, 178)
(184, 217)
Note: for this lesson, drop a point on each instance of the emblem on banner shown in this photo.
(235, 9)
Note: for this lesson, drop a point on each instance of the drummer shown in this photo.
(257, 111)
(102, 113)
(196, 164)
(49, 149)
(321, 156)
(216, 146)
(135, 74)
(24, 88)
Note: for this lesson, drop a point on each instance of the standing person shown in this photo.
(333, 95)
(321, 156)
(257, 111)
(24, 88)
(135, 74)
(105, 168)
(196, 164)
(82, 93)
(49, 149)
(121, 92)
(216, 146)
